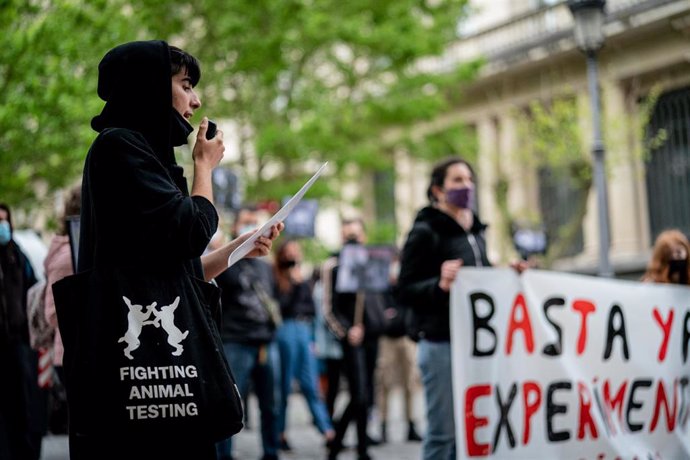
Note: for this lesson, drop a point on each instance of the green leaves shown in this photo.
(306, 79)
(323, 80)
(49, 51)
(553, 139)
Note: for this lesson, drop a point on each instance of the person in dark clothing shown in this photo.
(327, 346)
(356, 318)
(138, 212)
(296, 339)
(446, 235)
(250, 317)
(20, 429)
(396, 363)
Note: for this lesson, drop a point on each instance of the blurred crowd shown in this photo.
(281, 328)
(354, 326)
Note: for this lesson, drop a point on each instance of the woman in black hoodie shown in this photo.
(137, 210)
(446, 235)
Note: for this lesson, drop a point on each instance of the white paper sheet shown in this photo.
(243, 249)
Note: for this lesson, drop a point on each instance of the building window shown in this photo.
(561, 204)
(668, 168)
(384, 199)
(552, 143)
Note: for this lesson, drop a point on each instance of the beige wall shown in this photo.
(656, 54)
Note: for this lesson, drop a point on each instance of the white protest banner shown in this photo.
(553, 365)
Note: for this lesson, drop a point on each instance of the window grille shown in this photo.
(668, 168)
(558, 202)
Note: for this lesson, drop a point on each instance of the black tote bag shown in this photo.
(143, 355)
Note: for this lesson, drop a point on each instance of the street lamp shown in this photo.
(589, 36)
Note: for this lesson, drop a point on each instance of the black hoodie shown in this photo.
(436, 237)
(245, 316)
(136, 208)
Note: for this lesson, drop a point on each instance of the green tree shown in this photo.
(309, 81)
(553, 145)
(48, 52)
(554, 148)
(306, 81)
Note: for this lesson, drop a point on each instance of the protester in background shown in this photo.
(20, 427)
(329, 344)
(669, 263)
(58, 264)
(328, 349)
(251, 315)
(296, 339)
(137, 211)
(396, 364)
(357, 320)
(446, 235)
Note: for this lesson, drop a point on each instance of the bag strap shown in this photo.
(359, 308)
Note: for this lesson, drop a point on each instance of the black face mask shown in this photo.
(351, 240)
(678, 271)
(287, 263)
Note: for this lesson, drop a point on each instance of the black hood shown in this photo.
(134, 80)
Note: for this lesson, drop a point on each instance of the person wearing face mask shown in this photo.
(356, 318)
(250, 318)
(20, 437)
(446, 235)
(669, 262)
(296, 340)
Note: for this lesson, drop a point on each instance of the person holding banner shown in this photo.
(446, 235)
(669, 263)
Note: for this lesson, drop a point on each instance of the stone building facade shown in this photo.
(530, 55)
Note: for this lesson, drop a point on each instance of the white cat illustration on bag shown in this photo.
(137, 318)
(166, 319)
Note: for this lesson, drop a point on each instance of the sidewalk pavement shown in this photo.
(305, 440)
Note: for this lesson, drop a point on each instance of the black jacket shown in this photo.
(339, 308)
(136, 209)
(298, 302)
(246, 318)
(16, 277)
(436, 237)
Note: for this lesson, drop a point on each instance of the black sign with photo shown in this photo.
(226, 190)
(300, 222)
(364, 268)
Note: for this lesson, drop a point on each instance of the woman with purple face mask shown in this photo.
(446, 235)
